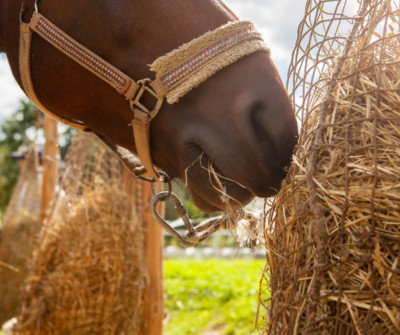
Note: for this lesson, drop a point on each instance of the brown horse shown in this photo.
(241, 118)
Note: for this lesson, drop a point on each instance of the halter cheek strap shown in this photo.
(177, 73)
(67, 45)
(25, 71)
(117, 79)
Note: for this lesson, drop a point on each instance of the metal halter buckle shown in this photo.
(135, 103)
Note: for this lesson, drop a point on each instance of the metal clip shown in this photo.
(182, 213)
(21, 13)
(193, 235)
(135, 103)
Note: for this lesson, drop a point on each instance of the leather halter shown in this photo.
(117, 79)
(197, 61)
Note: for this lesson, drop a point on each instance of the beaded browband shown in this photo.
(177, 73)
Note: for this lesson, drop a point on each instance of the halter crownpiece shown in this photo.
(177, 73)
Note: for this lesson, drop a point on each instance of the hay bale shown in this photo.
(88, 273)
(21, 225)
(334, 234)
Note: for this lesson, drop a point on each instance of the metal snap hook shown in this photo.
(193, 235)
(181, 211)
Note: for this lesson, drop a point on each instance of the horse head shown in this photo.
(239, 123)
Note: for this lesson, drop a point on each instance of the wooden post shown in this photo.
(153, 297)
(51, 154)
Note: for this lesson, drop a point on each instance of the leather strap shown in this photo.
(101, 68)
(141, 132)
(83, 56)
(131, 162)
(25, 72)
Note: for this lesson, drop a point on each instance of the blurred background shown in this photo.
(211, 289)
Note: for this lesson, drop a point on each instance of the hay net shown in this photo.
(21, 225)
(333, 235)
(88, 272)
(26, 197)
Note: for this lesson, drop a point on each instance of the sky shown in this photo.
(277, 20)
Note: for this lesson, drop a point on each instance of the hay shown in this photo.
(22, 222)
(88, 272)
(334, 233)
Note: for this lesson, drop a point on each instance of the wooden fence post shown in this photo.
(153, 297)
(51, 154)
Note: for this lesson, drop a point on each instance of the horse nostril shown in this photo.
(257, 115)
(274, 130)
(273, 136)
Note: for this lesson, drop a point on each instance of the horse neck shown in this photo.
(1, 27)
(141, 30)
(149, 29)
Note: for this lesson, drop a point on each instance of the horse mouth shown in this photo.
(210, 189)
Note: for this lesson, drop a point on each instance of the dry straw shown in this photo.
(87, 274)
(334, 229)
(21, 225)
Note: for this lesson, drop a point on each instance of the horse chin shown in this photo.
(210, 189)
(209, 200)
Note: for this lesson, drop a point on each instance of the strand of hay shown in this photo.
(334, 229)
(88, 272)
(21, 225)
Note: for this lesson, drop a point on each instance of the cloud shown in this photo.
(277, 20)
(10, 93)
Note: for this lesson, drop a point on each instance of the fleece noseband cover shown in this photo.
(183, 69)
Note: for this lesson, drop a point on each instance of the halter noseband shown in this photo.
(176, 73)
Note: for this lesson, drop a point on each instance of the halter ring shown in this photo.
(21, 13)
(165, 180)
(136, 102)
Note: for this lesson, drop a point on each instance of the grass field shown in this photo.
(206, 295)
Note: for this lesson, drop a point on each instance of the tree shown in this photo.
(26, 121)
(15, 133)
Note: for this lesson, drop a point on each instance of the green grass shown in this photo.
(211, 294)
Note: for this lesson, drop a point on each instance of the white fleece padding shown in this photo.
(176, 57)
